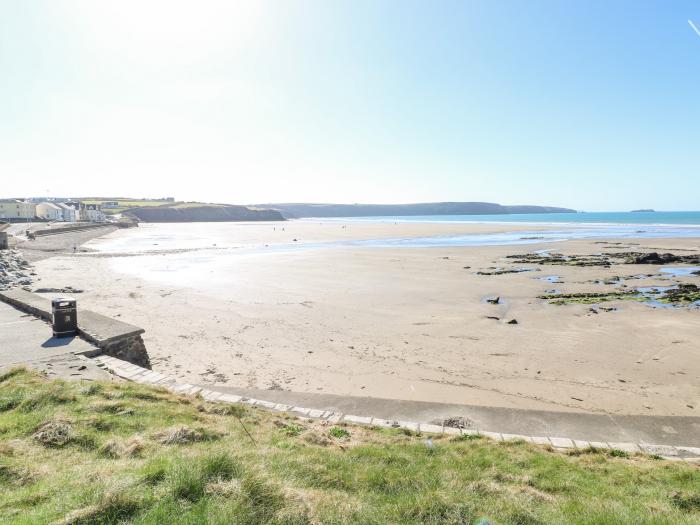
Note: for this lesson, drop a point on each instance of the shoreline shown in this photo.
(421, 220)
(398, 323)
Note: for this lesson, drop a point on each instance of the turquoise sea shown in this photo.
(652, 218)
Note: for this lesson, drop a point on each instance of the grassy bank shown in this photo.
(125, 204)
(79, 453)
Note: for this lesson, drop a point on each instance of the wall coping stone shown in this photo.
(96, 328)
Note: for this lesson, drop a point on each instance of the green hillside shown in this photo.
(108, 453)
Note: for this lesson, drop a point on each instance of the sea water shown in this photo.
(658, 218)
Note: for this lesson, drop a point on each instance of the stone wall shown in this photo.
(110, 336)
(81, 226)
(130, 348)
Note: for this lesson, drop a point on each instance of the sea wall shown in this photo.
(68, 229)
(111, 337)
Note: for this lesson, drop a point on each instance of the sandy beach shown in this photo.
(241, 308)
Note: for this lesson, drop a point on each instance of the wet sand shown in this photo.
(401, 323)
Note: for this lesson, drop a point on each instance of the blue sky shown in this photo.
(593, 105)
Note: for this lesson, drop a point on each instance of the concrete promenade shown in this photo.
(27, 340)
(676, 430)
(674, 451)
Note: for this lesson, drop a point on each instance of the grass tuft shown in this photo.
(182, 435)
(19, 476)
(190, 481)
(13, 372)
(113, 507)
(11, 400)
(617, 453)
(338, 432)
(470, 437)
(290, 430)
(687, 501)
(222, 409)
(316, 438)
(132, 448)
(57, 394)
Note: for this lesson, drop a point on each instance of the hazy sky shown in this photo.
(591, 104)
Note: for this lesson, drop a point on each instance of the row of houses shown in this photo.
(68, 211)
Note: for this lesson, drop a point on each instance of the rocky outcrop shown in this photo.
(14, 270)
(660, 258)
(683, 293)
(203, 213)
(66, 290)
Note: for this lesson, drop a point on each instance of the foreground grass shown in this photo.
(79, 453)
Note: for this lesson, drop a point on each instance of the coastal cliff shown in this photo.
(298, 210)
(203, 213)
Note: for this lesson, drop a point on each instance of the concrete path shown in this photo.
(674, 430)
(135, 373)
(26, 340)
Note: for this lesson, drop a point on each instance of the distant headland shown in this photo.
(167, 209)
(198, 212)
(644, 211)
(305, 210)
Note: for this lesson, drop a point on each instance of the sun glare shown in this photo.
(168, 30)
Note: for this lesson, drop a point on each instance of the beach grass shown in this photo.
(109, 453)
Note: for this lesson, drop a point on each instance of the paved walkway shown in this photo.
(26, 340)
(670, 450)
(676, 430)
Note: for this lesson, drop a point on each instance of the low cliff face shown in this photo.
(203, 213)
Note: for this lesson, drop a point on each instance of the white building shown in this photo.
(50, 211)
(94, 213)
(70, 214)
(17, 210)
(110, 205)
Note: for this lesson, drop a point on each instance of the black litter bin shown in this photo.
(65, 317)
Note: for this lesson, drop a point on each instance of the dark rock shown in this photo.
(502, 271)
(457, 422)
(653, 258)
(67, 289)
(684, 293)
(587, 297)
(513, 321)
(494, 300)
